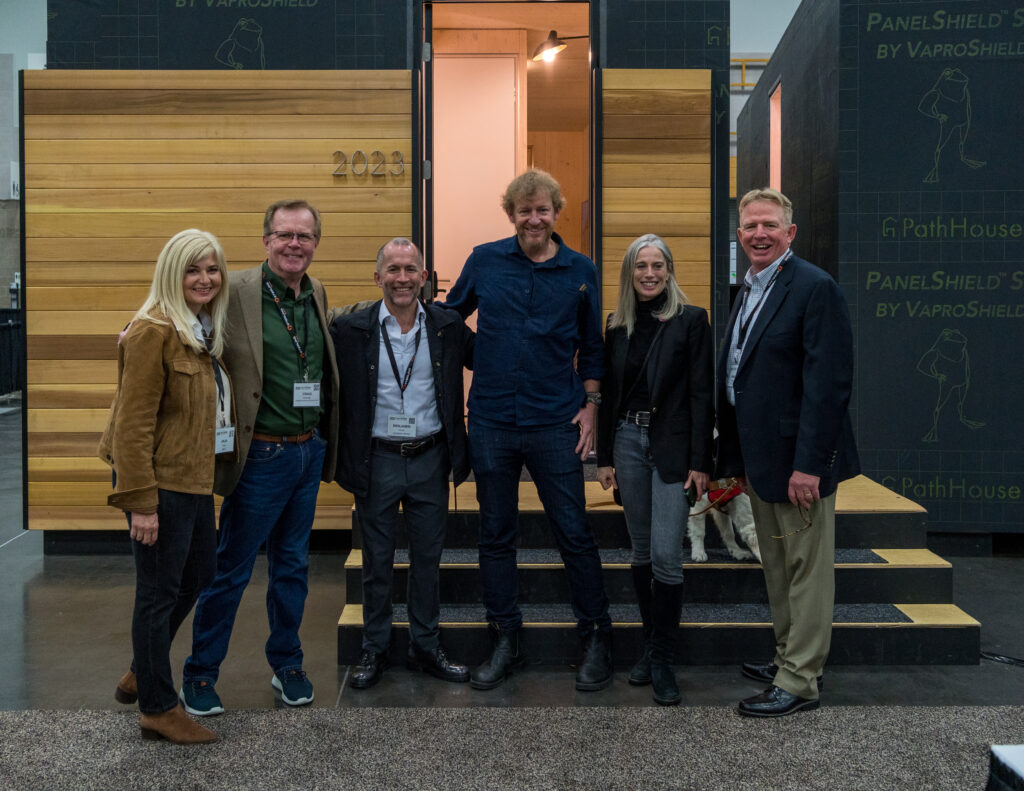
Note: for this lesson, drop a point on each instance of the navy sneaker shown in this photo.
(200, 698)
(295, 688)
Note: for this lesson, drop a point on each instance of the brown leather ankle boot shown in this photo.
(175, 726)
(127, 688)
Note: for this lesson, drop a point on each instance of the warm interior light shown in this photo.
(548, 48)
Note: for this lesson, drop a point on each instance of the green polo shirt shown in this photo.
(282, 366)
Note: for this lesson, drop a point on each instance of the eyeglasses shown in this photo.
(805, 517)
(287, 236)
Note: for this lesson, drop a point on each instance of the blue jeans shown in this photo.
(655, 511)
(168, 578)
(274, 502)
(498, 456)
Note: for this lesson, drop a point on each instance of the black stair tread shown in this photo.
(859, 495)
(692, 613)
(550, 557)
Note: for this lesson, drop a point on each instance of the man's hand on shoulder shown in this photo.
(345, 310)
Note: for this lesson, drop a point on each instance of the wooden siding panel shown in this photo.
(656, 79)
(200, 80)
(261, 150)
(117, 162)
(195, 127)
(666, 150)
(328, 200)
(221, 101)
(656, 172)
(142, 176)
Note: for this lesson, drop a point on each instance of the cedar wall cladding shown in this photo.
(117, 162)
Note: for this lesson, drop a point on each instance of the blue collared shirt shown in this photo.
(759, 286)
(533, 319)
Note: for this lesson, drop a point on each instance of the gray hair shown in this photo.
(399, 241)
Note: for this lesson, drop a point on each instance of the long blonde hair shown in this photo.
(625, 311)
(167, 295)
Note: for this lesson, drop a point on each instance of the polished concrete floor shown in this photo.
(65, 639)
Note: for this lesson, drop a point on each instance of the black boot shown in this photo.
(640, 675)
(506, 656)
(595, 671)
(666, 609)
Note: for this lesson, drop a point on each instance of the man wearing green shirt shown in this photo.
(285, 381)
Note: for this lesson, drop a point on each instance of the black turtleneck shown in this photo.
(639, 342)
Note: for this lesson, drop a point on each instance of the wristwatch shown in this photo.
(594, 398)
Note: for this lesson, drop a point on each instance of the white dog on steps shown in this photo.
(736, 514)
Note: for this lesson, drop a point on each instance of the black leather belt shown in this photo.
(410, 448)
(638, 418)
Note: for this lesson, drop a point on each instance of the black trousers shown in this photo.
(169, 576)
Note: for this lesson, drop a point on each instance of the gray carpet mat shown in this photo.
(561, 613)
(646, 748)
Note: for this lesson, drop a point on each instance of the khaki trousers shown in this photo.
(799, 571)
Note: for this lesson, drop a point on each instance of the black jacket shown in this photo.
(792, 386)
(357, 346)
(680, 379)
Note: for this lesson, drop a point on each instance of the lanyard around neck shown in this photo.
(401, 381)
(291, 328)
(745, 325)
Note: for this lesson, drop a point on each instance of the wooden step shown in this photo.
(867, 515)
(908, 575)
(925, 634)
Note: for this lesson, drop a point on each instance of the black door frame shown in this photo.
(423, 131)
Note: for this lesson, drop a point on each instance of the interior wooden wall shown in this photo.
(656, 172)
(566, 156)
(116, 162)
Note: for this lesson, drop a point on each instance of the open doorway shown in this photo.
(497, 112)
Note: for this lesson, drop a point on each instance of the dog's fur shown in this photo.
(733, 514)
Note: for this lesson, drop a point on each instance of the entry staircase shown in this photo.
(894, 597)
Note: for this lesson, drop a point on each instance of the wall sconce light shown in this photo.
(551, 46)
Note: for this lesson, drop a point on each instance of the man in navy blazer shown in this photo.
(784, 380)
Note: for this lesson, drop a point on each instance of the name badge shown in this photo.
(225, 440)
(306, 394)
(403, 426)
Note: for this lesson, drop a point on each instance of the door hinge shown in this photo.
(426, 169)
(426, 51)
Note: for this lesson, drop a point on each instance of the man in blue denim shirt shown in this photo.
(534, 398)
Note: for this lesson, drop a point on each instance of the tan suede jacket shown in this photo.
(161, 430)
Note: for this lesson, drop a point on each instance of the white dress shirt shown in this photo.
(420, 400)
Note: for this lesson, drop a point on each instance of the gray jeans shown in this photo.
(655, 511)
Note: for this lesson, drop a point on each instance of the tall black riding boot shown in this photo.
(640, 675)
(666, 609)
(506, 656)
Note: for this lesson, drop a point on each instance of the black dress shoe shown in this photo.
(775, 702)
(437, 664)
(369, 670)
(766, 673)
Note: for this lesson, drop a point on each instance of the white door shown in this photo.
(475, 147)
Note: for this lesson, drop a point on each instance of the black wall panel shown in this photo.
(929, 215)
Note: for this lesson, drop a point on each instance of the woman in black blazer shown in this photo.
(654, 439)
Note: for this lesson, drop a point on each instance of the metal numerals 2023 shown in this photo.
(359, 164)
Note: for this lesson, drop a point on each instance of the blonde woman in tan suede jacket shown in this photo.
(171, 415)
